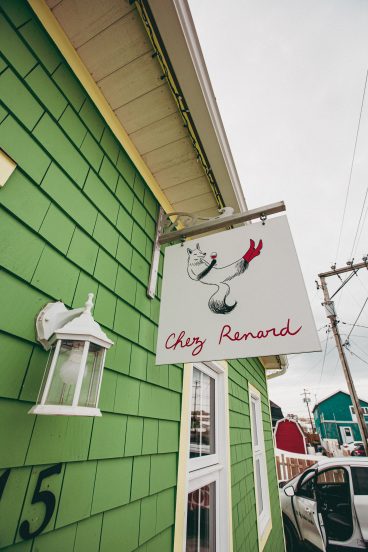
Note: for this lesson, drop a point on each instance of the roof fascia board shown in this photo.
(57, 34)
(176, 26)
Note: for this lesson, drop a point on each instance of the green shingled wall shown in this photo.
(245, 536)
(76, 217)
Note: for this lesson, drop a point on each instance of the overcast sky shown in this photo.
(289, 78)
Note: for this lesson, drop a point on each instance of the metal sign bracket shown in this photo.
(172, 227)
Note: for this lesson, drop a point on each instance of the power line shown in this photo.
(357, 318)
(358, 225)
(351, 168)
(324, 360)
(360, 358)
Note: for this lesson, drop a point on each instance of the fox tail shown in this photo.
(217, 302)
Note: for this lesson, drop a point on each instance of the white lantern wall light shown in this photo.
(73, 376)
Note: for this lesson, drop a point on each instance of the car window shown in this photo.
(334, 475)
(360, 480)
(306, 489)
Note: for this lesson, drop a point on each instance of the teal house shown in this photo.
(335, 418)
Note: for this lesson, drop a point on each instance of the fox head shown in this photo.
(195, 256)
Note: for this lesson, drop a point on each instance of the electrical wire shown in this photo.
(357, 325)
(324, 358)
(351, 168)
(357, 318)
(360, 358)
(358, 225)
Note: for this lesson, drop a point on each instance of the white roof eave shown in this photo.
(175, 24)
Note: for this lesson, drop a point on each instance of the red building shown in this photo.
(289, 436)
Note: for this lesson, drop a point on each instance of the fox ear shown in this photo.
(197, 245)
(189, 251)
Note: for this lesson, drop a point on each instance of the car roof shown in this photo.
(343, 461)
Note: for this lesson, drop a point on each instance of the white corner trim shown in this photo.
(7, 167)
(194, 48)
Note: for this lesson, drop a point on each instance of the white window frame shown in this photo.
(264, 520)
(204, 470)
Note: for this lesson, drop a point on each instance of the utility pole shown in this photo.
(331, 314)
(307, 400)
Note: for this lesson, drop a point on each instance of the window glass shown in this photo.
(254, 424)
(202, 425)
(337, 475)
(259, 487)
(201, 519)
(360, 480)
(307, 488)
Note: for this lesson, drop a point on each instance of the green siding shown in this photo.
(242, 372)
(72, 220)
(76, 217)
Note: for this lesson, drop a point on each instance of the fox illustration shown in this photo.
(208, 273)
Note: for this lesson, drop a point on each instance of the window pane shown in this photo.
(360, 480)
(201, 520)
(259, 486)
(254, 423)
(202, 427)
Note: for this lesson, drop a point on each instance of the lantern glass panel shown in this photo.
(66, 372)
(92, 376)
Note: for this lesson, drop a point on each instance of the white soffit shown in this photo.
(175, 24)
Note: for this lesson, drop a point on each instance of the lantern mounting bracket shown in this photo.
(179, 226)
(52, 317)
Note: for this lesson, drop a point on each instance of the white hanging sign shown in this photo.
(239, 293)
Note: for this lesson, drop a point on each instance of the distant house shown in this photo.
(335, 418)
(276, 413)
(289, 436)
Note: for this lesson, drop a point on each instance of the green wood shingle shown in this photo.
(147, 527)
(126, 321)
(105, 307)
(57, 228)
(87, 538)
(46, 91)
(24, 199)
(121, 528)
(125, 194)
(57, 541)
(69, 85)
(106, 269)
(13, 48)
(92, 151)
(126, 285)
(21, 147)
(163, 472)
(19, 100)
(102, 445)
(106, 234)
(18, 11)
(92, 119)
(110, 144)
(133, 440)
(61, 189)
(165, 509)
(112, 486)
(141, 476)
(40, 44)
(17, 297)
(109, 174)
(54, 439)
(20, 249)
(15, 430)
(83, 250)
(56, 276)
(35, 371)
(150, 436)
(11, 503)
(15, 355)
(73, 126)
(61, 149)
(74, 506)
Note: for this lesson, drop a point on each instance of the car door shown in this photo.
(360, 498)
(305, 510)
(335, 504)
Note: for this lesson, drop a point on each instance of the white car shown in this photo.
(326, 506)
